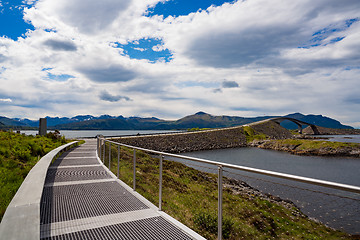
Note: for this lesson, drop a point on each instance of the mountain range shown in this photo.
(200, 120)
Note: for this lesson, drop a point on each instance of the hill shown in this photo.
(198, 120)
(318, 120)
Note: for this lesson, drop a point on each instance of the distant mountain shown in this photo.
(204, 120)
(4, 121)
(318, 120)
(54, 121)
(200, 119)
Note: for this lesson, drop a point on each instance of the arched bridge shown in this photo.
(299, 123)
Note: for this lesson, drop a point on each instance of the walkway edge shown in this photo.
(178, 224)
(22, 217)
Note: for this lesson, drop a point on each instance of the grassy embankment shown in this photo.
(305, 144)
(18, 154)
(314, 147)
(251, 135)
(190, 196)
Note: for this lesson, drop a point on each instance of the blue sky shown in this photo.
(178, 8)
(11, 18)
(173, 58)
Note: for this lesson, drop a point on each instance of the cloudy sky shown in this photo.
(171, 58)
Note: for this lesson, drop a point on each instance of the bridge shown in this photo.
(77, 197)
(299, 123)
(74, 196)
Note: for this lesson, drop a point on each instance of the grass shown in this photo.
(294, 131)
(190, 196)
(251, 135)
(18, 154)
(306, 144)
(196, 129)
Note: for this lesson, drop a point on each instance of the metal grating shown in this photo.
(76, 174)
(79, 154)
(75, 161)
(99, 188)
(63, 203)
(147, 229)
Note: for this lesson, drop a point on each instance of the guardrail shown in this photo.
(101, 148)
(22, 217)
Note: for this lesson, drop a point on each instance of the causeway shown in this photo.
(82, 199)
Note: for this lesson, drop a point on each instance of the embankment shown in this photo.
(331, 131)
(206, 140)
(311, 147)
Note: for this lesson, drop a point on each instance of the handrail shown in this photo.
(314, 181)
(22, 217)
(101, 142)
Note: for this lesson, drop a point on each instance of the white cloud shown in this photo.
(87, 16)
(158, 48)
(254, 45)
(5, 100)
(140, 49)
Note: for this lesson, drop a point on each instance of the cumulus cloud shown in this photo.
(87, 16)
(59, 45)
(5, 100)
(2, 58)
(113, 73)
(287, 56)
(230, 84)
(234, 35)
(106, 96)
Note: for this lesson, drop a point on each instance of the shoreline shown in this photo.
(310, 147)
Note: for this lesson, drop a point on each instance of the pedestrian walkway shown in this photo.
(83, 200)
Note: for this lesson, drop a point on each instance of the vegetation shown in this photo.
(306, 144)
(294, 131)
(18, 154)
(190, 196)
(251, 135)
(196, 129)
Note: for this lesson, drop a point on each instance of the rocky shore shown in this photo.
(332, 131)
(304, 147)
(273, 137)
(205, 140)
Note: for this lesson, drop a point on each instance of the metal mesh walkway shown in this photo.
(82, 200)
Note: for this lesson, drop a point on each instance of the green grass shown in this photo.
(196, 129)
(294, 131)
(190, 196)
(251, 135)
(305, 144)
(18, 154)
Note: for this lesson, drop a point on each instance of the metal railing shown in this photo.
(22, 217)
(101, 148)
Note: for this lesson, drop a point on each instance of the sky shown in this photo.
(172, 58)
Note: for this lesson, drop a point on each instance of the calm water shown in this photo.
(92, 133)
(335, 169)
(342, 138)
(335, 208)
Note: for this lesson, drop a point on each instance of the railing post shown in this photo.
(160, 181)
(220, 193)
(118, 163)
(109, 156)
(97, 145)
(103, 160)
(134, 173)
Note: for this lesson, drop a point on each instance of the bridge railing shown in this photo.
(22, 217)
(287, 191)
